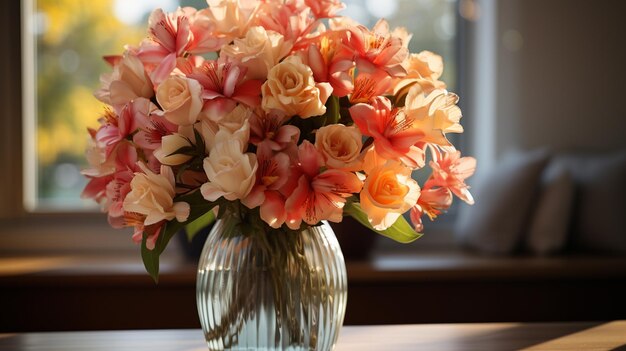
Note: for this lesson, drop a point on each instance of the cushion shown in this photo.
(549, 226)
(503, 199)
(600, 211)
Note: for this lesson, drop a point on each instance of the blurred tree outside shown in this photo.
(73, 35)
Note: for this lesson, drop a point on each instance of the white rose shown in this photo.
(181, 99)
(290, 88)
(169, 145)
(231, 173)
(259, 51)
(152, 195)
(340, 146)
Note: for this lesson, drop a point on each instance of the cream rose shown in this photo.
(340, 146)
(259, 51)
(234, 125)
(388, 192)
(290, 88)
(128, 81)
(181, 100)
(169, 145)
(152, 195)
(231, 173)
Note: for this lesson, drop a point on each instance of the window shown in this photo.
(64, 44)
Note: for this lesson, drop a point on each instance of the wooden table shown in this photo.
(480, 336)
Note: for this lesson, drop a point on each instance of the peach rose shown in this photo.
(388, 192)
(181, 99)
(340, 146)
(234, 125)
(152, 195)
(259, 51)
(231, 173)
(290, 88)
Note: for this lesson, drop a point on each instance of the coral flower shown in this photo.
(377, 49)
(451, 170)
(224, 79)
(393, 131)
(318, 195)
(272, 174)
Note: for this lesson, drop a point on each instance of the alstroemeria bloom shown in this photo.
(451, 170)
(290, 88)
(424, 69)
(377, 50)
(118, 128)
(151, 130)
(153, 196)
(128, 81)
(231, 172)
(288, 18)
(181, 99)
(340, 146)
(434, 114)
(272, 174)
(320, 53)
(258, 51)
(325, 8)
(393, 131)
(224, 79)
(267, 131)
(318, 195)
(388, 192)
(174, 35)
(170, 144)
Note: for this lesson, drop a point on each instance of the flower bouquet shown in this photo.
(273, 116)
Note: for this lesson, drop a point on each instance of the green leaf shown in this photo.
(400, 231)
(201, 222)
(332, 111)
(199, 207)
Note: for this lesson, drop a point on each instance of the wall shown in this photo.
(561, 75)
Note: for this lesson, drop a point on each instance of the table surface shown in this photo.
(484, 337)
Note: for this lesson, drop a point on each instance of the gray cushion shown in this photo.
(503, 199)
(600, 210)
(549, 226)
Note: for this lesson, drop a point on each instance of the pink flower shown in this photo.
(377, 50)
(393, 131)
(268, 132)
(287, 18)
(223, 79)
(151, 130)
(450, 171)
(318, 195)
(117, 128)
(175, 35)
(320, 54)
(271, 176)
(325, 8)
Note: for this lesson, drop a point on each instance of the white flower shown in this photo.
(231, 173)
(169, 145)
(181, 99)
(152, 195)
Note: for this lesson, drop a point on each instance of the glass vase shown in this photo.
(271, 289)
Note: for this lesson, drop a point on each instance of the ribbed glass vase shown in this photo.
(271, 290)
